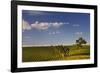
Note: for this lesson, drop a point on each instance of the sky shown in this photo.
(54, 28)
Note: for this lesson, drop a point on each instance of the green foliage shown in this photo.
(80, 41)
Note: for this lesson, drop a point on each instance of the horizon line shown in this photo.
(50, 45)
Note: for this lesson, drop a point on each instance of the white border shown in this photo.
(53, 63)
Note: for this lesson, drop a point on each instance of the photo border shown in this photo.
(14, 65)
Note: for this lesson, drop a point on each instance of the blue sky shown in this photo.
(53, 28)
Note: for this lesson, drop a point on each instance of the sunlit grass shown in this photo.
(49, 53)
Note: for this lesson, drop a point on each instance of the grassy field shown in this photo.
(49, 53)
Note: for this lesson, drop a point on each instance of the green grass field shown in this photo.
(49, 53)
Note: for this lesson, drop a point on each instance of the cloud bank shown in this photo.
(40, 25)
(25, 25)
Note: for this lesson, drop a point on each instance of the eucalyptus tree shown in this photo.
(80, 42)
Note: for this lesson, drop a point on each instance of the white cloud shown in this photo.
(25, 25)
(54, 33)
(40, 26)
(57, 25)
(57, 32)
(78, 33)
(67, 23)
(75, 25)
(45, 25)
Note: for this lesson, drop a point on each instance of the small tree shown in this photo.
(80, 41)
(64, 50)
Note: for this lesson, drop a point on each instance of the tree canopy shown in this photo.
(80, 41)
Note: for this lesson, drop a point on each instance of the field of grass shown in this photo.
(49, 53)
